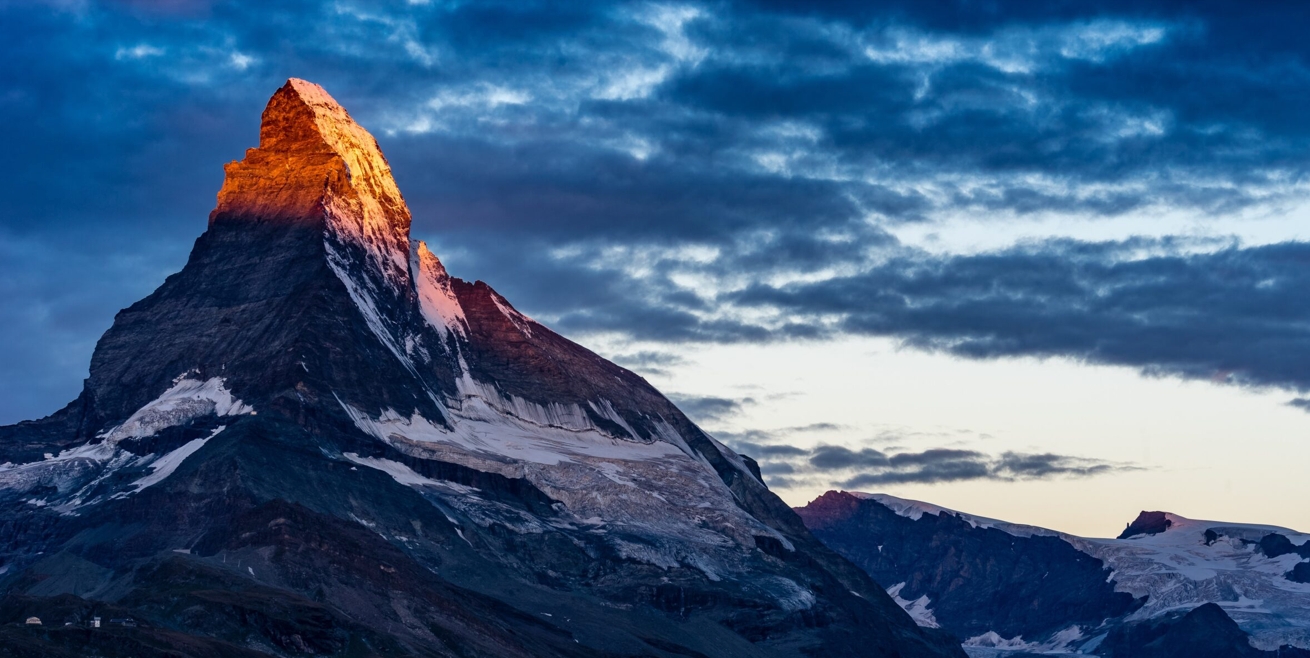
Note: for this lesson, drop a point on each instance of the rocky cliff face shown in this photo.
(971, 579)
(1166, 587)
(313, 439)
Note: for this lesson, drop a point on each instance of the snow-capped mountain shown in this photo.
(313, 439)
(1006, 587)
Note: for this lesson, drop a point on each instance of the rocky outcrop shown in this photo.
(1276, 545)
(1146, 523)
(312, 157)
(1300, 573)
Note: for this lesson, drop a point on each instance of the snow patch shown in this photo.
(1059, 643)
(77, 473)
(917, 609)
(65, 472)
(789, 594)
(164, 466)
(187, 400)
(661, 502)
(398, 471)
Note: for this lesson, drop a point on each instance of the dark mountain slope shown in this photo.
(1168, 586)
(976, 579)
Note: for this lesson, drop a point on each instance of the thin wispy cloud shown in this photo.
(828, 466)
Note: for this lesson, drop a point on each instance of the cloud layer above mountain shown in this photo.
(701, 172)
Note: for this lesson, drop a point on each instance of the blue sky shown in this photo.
(1052, 196)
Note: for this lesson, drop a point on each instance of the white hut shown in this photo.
(33, 621)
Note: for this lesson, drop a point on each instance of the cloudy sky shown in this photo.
(1038, 261)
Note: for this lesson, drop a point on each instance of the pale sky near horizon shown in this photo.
(1204, 451)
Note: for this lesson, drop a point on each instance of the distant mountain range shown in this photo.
(1166, 587)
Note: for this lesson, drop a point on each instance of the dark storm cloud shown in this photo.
(834, 457)
(772, 447)
(1022, 466)
(573, 155)
(1234, 315)
(928, 469)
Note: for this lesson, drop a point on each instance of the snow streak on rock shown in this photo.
(436, 296)
(164, 466)
(186, 400)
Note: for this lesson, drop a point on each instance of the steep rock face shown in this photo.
(314, 412)
(970, 579)
(1300, 573)
(1203, 632)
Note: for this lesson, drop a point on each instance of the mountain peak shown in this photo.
(1147, 523)
(314, 163)
(316, 376)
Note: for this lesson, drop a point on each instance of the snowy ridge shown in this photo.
(375, 217)
(365, 298)
(914, 510)
(1177, 570)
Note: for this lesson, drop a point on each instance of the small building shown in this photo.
(33, 621)
(95, 622)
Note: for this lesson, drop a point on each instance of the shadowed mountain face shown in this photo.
(1168, 586)
(314, 440)
(976, 580)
